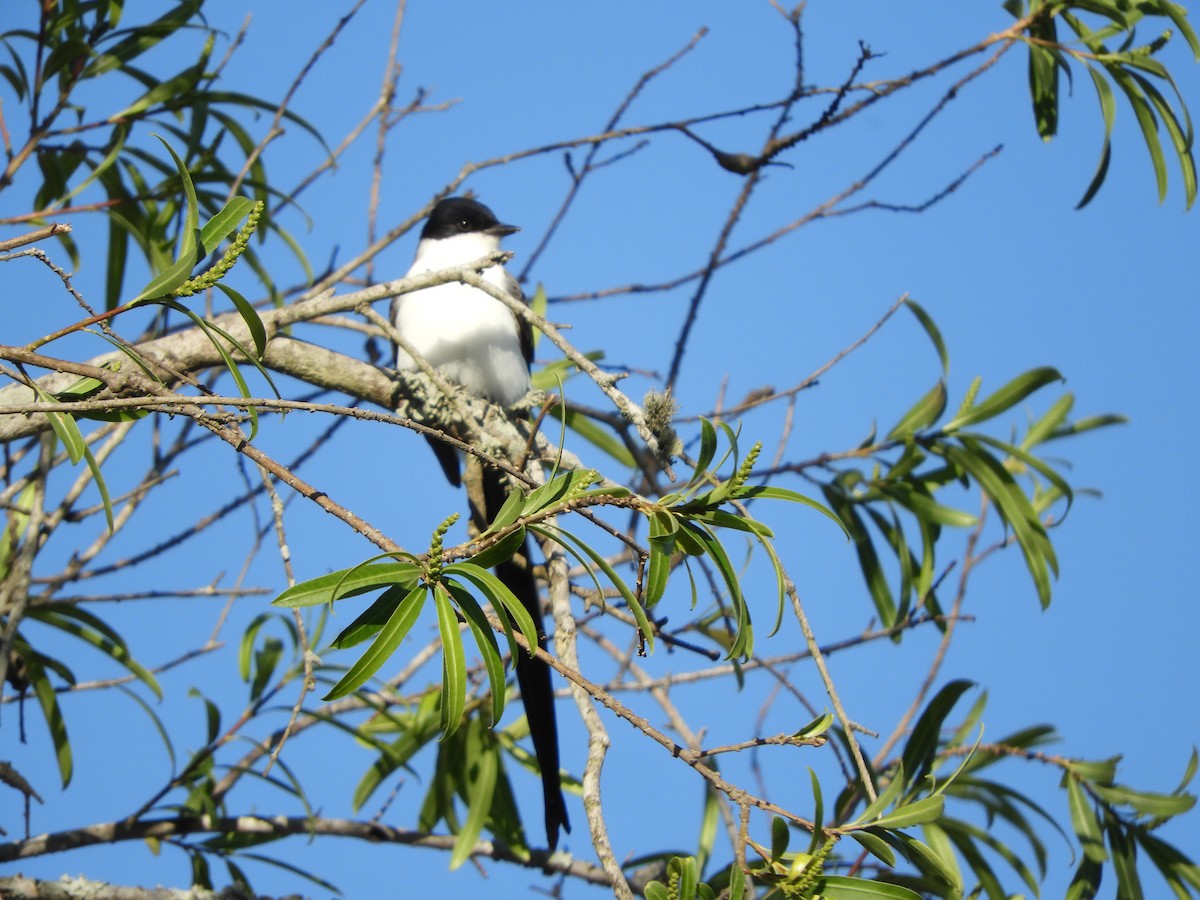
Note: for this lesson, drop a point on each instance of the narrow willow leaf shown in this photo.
(1146, 121)
(922, 746)
(1179, 133)
(561, 536)
(1043, 78)
(927, 809)
(1050, 422)
(224, 223)
(1014, 506)
(87, 627)
(742, 647)
(105, 500)
(489, 650)
(189, 246)
(1176, 869)
(818, 816)
(868, 559)
(250, 316)
(710, 823)
(883, 800)
(501, 551)
(1085, 823)
(931, 330)
(350, 582)
(1147, 803)
(1108, 110)
(875, 845)
(781, 836)
(708, 449)
(498, 594)
(484, 768)
(719, 518)
(658, 570)
(816, 727)
(839, 887)
(1005, 398)
(770, 492)
(373, 618)
(47, 699)
(943, 850)
(1086, 883)
(563, 486)
(1124, 860)
(926, 859)
(509, 512)
(389, 638)
(454, 664)
(922, 414)
(928, 509)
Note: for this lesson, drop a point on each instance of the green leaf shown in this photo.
(489, 650)
(1146, 803)
(562, 536)
(498, 594)
(883, 800)
(742, 647)
(1124, 859)
(250, 316)
(1108, 110)
(47, 699)
(922, 414)
(1086, 883)
(84, 625)
(483, 768)
(921, 748)
(770, 492)
(501, 551)
(927, 809)
(868, 559)
(816, 727)
(390, 636)
(1014, 506)
(224, 223)
(875, 845)
(1005, 398)
(838, 887)
(1084, 821)
(564, 486)
(373, 618)
(931, 330)
(351, 582)
(781, 836)
(454, 664)
(190, 251)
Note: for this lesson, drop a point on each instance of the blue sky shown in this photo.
(1012, 273)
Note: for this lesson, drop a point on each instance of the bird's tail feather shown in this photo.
(533, 675)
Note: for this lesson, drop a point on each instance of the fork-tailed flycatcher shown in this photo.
(478, 342)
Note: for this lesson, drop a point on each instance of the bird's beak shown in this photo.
(501, 230)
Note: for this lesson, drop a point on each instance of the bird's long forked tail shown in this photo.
(533, 675)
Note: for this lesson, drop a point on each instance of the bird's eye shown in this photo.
(464, 224)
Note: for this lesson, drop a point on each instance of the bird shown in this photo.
(479, 343)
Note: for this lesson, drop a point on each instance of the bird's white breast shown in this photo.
(471, 337)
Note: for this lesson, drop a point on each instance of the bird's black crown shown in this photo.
(460, 215)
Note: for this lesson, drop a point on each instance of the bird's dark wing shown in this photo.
(524, 331)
